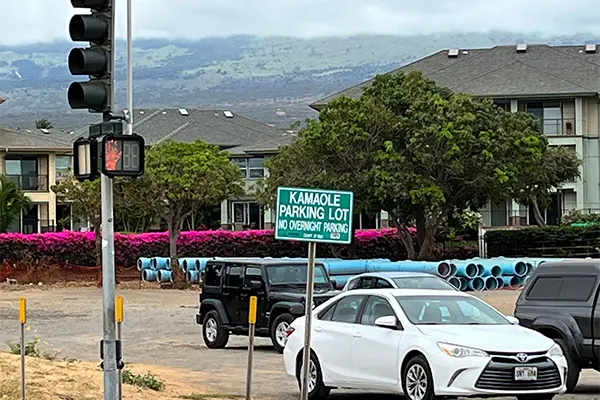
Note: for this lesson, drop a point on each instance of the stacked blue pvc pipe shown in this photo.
(475, 274)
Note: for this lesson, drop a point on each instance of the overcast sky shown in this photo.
(30, 21)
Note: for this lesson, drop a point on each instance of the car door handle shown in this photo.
(318, 329)
(357, 335)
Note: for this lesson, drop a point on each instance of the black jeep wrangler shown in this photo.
(562, 301)
(280, 286)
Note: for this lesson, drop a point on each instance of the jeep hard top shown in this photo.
(280, 287)
(562, 301)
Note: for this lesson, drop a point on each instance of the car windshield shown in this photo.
(422, 282)
(449, 310)
(295, 275)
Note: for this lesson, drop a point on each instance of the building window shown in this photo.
(247, 214)
(63, 163)
(250, 167)
(503, 104)
(499, 214)
(24, 172)
(33, 221)
(558, 117)
(255, 166)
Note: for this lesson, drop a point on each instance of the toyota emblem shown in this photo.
(522, 357)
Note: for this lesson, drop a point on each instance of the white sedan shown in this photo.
(424, 344)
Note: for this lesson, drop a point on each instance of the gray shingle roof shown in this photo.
(34, 139)
(501, 71)
(236, 134)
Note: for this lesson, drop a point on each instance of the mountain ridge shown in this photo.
(271, 79)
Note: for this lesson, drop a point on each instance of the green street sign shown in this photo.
(314, 215)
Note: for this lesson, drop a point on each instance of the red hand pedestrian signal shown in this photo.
(123, 155)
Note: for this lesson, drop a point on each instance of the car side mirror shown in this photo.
(389, 322)
(512, 320)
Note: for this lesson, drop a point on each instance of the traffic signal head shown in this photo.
(123, 155)
(85, 159)
(95, 61)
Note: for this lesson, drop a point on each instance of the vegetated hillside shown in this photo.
(269, 79)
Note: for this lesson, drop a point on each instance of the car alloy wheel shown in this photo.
(211, 330)
(316, 387)
(281, 333)
(279, 329)
(416, 382)
(215, 337)
(312, 376)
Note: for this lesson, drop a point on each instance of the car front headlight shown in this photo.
(460, 351)
(555, 351)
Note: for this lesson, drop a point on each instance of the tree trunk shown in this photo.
(421, 223)
(98, 245)
(426, 247)
(430, 227)
(407, 241)
(537, 214)
(404, 235)
(178, 275)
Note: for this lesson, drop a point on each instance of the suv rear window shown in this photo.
(567, 288)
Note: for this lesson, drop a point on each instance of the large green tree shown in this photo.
(85, 200)
(181, 179)
(131, 212)
(413, 149)
(12, 202)
(533, 183)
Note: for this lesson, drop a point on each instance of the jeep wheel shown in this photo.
(279, 329)
(215, 337)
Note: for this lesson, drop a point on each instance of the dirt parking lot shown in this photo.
(160, 329)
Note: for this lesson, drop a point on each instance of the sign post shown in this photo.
(119, 319)
(22, 321)
(313, 216)
(251, 324)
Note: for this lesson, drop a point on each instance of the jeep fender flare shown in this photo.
(286, 307)
(565, 327)
(214, 304)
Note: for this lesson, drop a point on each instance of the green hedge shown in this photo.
(551, 241)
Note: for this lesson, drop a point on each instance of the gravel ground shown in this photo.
(160, 328)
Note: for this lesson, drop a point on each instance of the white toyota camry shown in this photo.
(424, 344)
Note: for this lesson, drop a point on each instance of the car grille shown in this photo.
(499, 374)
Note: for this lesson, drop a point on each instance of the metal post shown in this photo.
(23, 321)
(23, 361)
(108, 259)
(119, 318)
(310, 275)
(252, 322)
(129, 69)
(108, 287)
(120, 372)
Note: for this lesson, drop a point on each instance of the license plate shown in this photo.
(526, 373)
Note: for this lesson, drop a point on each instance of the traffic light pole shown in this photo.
(129, 70)
(111, 384)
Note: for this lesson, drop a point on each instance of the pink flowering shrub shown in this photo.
(78, 248)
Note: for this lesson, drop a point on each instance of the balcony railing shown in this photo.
(559, 126)
(33, 183)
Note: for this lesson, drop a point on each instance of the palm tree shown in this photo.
(43, 124)
(12, 202)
